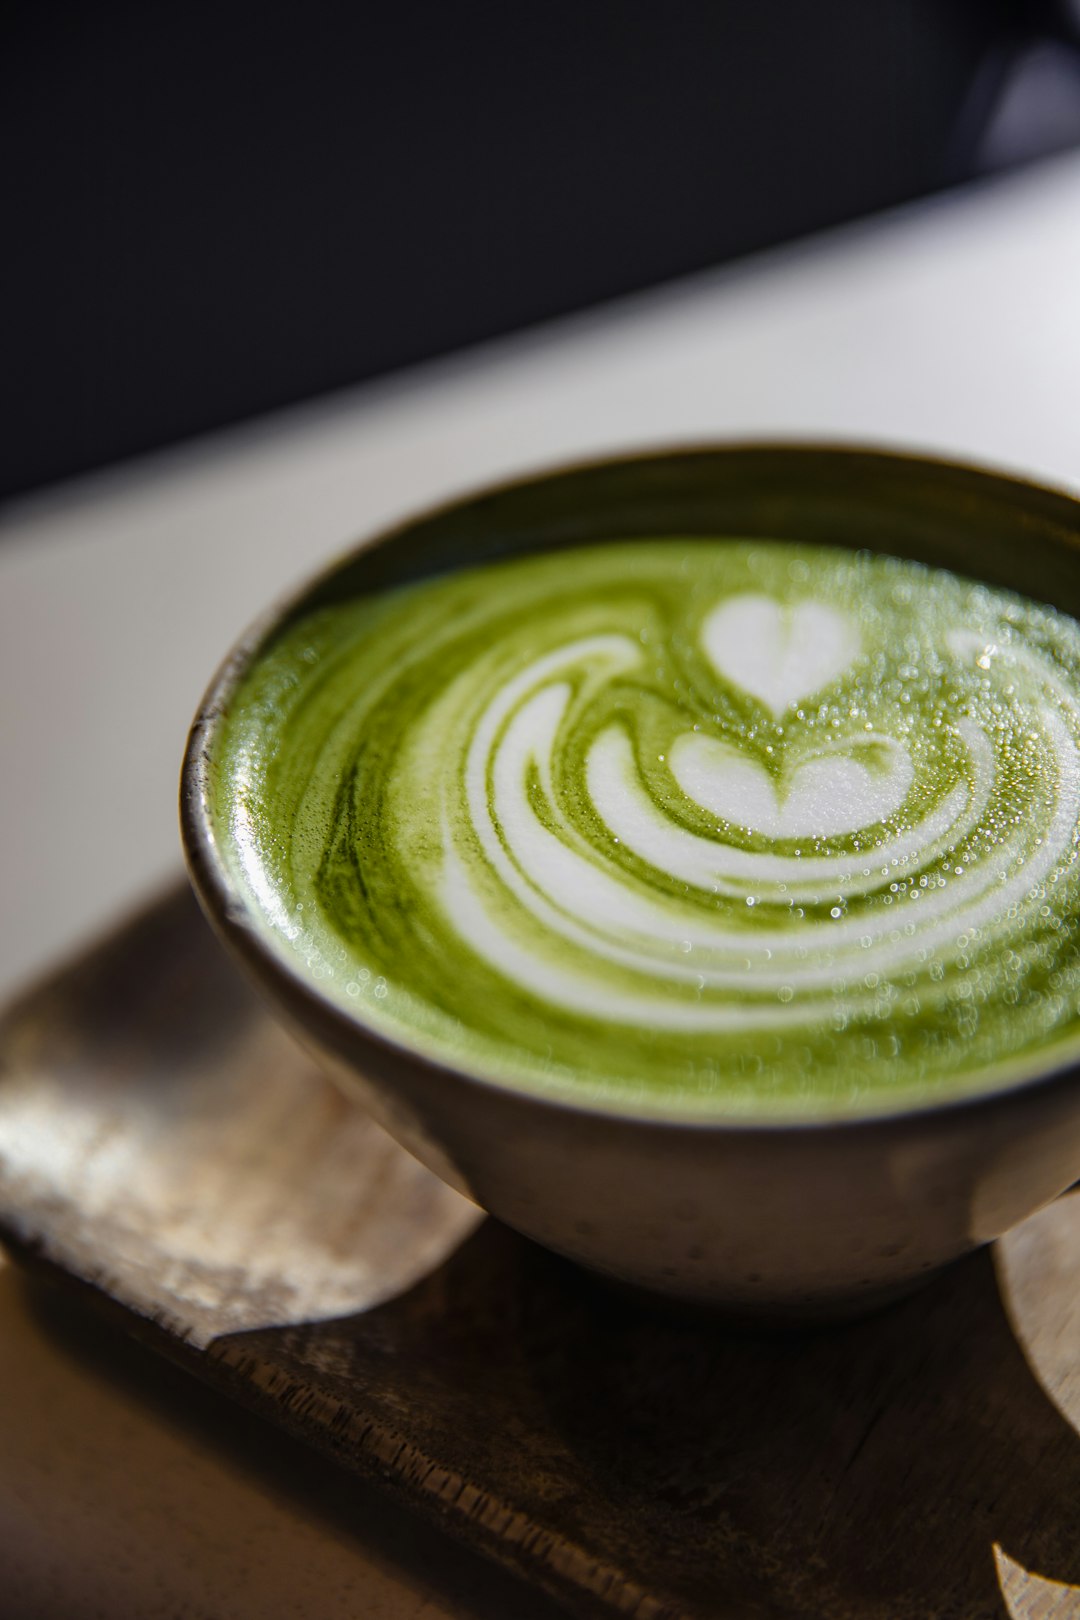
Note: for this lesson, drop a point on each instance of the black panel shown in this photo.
(214, 211)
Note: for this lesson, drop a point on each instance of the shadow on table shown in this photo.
(861, 1471)
(445, 1577)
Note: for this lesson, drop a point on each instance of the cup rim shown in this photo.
(229, 910)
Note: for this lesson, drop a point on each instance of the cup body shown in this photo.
(818, 1217)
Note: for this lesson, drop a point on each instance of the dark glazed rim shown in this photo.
(1055, 511)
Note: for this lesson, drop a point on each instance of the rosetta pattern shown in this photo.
(727, 825)
(833, 933)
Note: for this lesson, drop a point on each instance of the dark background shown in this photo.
(211, 212)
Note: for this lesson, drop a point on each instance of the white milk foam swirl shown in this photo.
(830, 941)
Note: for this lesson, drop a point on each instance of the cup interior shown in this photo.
(974, 522)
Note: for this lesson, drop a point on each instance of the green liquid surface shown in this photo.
(687, 826)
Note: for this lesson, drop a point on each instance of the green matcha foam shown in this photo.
(744, 828)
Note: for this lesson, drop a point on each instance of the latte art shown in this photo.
(704, 823)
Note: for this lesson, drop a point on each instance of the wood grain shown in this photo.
(165, 1150)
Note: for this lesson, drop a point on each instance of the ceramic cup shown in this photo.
(815, 1218)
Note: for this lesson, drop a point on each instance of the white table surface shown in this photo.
(953, 326)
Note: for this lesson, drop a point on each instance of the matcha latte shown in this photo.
(733, 828)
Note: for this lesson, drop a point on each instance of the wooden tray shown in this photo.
(165, 1149)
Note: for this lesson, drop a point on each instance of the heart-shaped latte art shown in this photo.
(826, 795)
(651, 891)
(779, 652)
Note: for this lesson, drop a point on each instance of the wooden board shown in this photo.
(166, 1150)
